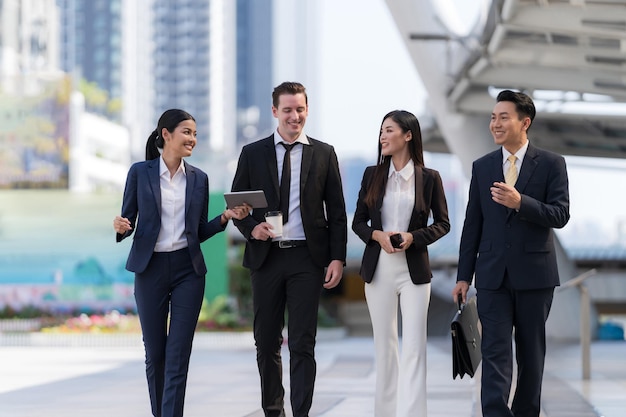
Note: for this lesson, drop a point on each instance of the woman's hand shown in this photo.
(383, 240)
(407, 240)
(238, 212)
(121, 225)
(385, 243)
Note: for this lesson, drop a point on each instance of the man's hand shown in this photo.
(461, 289)
(334, 273)
(262, 231)
(506, 195)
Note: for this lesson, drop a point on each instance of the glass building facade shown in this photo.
(91, 39)
(181, 59)
(254, 69)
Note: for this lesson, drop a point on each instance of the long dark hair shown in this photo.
(407, 122)
(170, 119)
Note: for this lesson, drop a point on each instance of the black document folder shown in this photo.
(466, 339)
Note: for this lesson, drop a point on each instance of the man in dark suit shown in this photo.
(507, 245)
(288, 271)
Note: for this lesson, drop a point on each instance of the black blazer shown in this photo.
(496, 239)
(142, 196)
(429, 197)
(321, 199)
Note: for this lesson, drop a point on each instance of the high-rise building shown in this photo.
(194, 66)
(91, 35)
(181, 58)
(28, 38)
(212, 58)
(254, 69)
(108, 44)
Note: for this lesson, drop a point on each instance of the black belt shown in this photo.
(286, 244)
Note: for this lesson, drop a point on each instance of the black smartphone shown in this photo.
(396, 240)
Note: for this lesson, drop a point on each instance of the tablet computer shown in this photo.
(254, 198)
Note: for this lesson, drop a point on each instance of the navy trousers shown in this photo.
(502, 312)
(169, 285)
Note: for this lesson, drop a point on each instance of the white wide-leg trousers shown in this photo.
(400, 372)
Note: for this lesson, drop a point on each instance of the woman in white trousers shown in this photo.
(396, 200)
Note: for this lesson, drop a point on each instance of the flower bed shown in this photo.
(112, 322)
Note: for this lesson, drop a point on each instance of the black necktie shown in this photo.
(285, 181)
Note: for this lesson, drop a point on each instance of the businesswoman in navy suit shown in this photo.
(166, 205)
(396, 198)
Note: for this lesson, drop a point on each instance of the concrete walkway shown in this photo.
(82, 380)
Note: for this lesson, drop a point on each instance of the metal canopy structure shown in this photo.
(570, 55)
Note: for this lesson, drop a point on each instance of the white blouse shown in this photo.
(399, 198)
(172, 235)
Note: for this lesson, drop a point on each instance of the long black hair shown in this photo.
(407, 122)
(170, 119)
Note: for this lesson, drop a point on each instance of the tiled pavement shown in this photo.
(57, 378)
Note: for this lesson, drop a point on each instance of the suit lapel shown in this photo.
(270, 160)
(497, 175)
(191, 182)
(526, 171)
(528, 167)
(379, 201)
(155, 181)
(420, 183)
(307, 158)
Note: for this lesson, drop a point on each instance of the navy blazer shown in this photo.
(142, 197)
(322, 205)
(429, 197)
(496, 239)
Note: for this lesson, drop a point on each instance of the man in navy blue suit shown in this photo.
(518, 195)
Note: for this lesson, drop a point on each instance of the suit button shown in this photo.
(508, 246)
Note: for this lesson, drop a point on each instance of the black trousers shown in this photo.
(168, 285)
(288, 278)
(501, 311)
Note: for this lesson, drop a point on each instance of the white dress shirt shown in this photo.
(172, 234)
(399, 198)
(518, 162)
(293, 229)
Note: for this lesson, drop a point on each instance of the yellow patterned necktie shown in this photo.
(510, 177)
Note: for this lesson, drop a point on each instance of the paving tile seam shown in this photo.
(559, 399)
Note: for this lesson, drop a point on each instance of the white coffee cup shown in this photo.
(275, 219)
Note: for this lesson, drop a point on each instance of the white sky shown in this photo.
(366, 72)
(597, 199)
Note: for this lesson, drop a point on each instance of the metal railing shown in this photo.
(585, 318)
